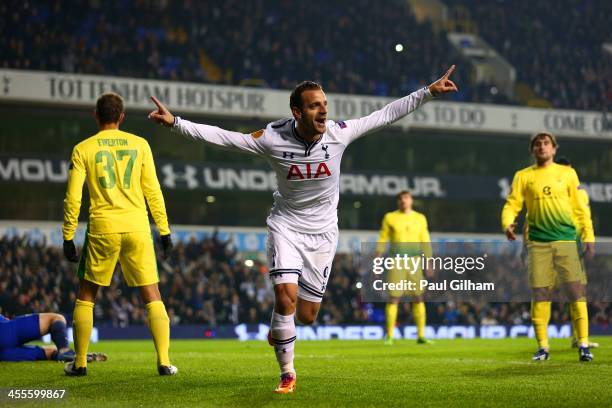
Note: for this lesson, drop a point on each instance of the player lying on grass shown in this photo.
(15, 333)
(305, 152)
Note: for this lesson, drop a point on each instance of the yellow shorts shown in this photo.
(133, 250)
(399, 275)
(554, 263)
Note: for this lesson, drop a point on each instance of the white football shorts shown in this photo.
(301, 259)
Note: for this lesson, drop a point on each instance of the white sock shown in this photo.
(282, 330)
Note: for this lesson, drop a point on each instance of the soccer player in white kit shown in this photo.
(305, 152)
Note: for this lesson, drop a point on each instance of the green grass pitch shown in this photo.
(330, 373)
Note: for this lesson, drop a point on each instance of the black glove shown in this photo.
(70, 251)
(166, 242)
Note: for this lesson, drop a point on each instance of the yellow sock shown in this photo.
(159, 324)
(418, 314)
(82, 324)
(540, 316)
(580, 321)
(391, 315)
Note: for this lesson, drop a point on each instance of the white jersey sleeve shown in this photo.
(355, 128)
(251, 143)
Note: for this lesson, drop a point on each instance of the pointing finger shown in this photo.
(450, 71)
(159, 105)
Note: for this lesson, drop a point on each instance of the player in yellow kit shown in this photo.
(555, 213)
(407, 231)
(120, 174)
(584, 198)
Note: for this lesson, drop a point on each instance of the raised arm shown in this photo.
(251, 143)
(397, 109)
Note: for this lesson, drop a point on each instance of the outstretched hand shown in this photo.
(162, 115)
(444, 84)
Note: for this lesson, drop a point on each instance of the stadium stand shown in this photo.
(203, 282)
(191, 43)
(564, 61)
(255, 44)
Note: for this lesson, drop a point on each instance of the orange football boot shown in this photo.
(286, 384)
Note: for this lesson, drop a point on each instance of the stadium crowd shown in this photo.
(259, 43)
(556, 47)
(265, 43)
(207, 282)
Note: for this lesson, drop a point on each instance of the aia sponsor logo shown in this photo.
(308, 171)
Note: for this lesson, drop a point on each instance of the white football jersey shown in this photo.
(308, 174)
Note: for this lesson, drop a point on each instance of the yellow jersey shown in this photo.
(399, 227)
(120, 174)
(583, 196)
(555, 209)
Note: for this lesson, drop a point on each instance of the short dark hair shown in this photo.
(403, 192)
(542, 135)
(109, 108)
(295, 100)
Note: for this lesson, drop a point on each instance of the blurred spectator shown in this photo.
(35, 278)
(254, 43)
(556, 47)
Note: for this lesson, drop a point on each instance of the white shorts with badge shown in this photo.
(301, 259)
